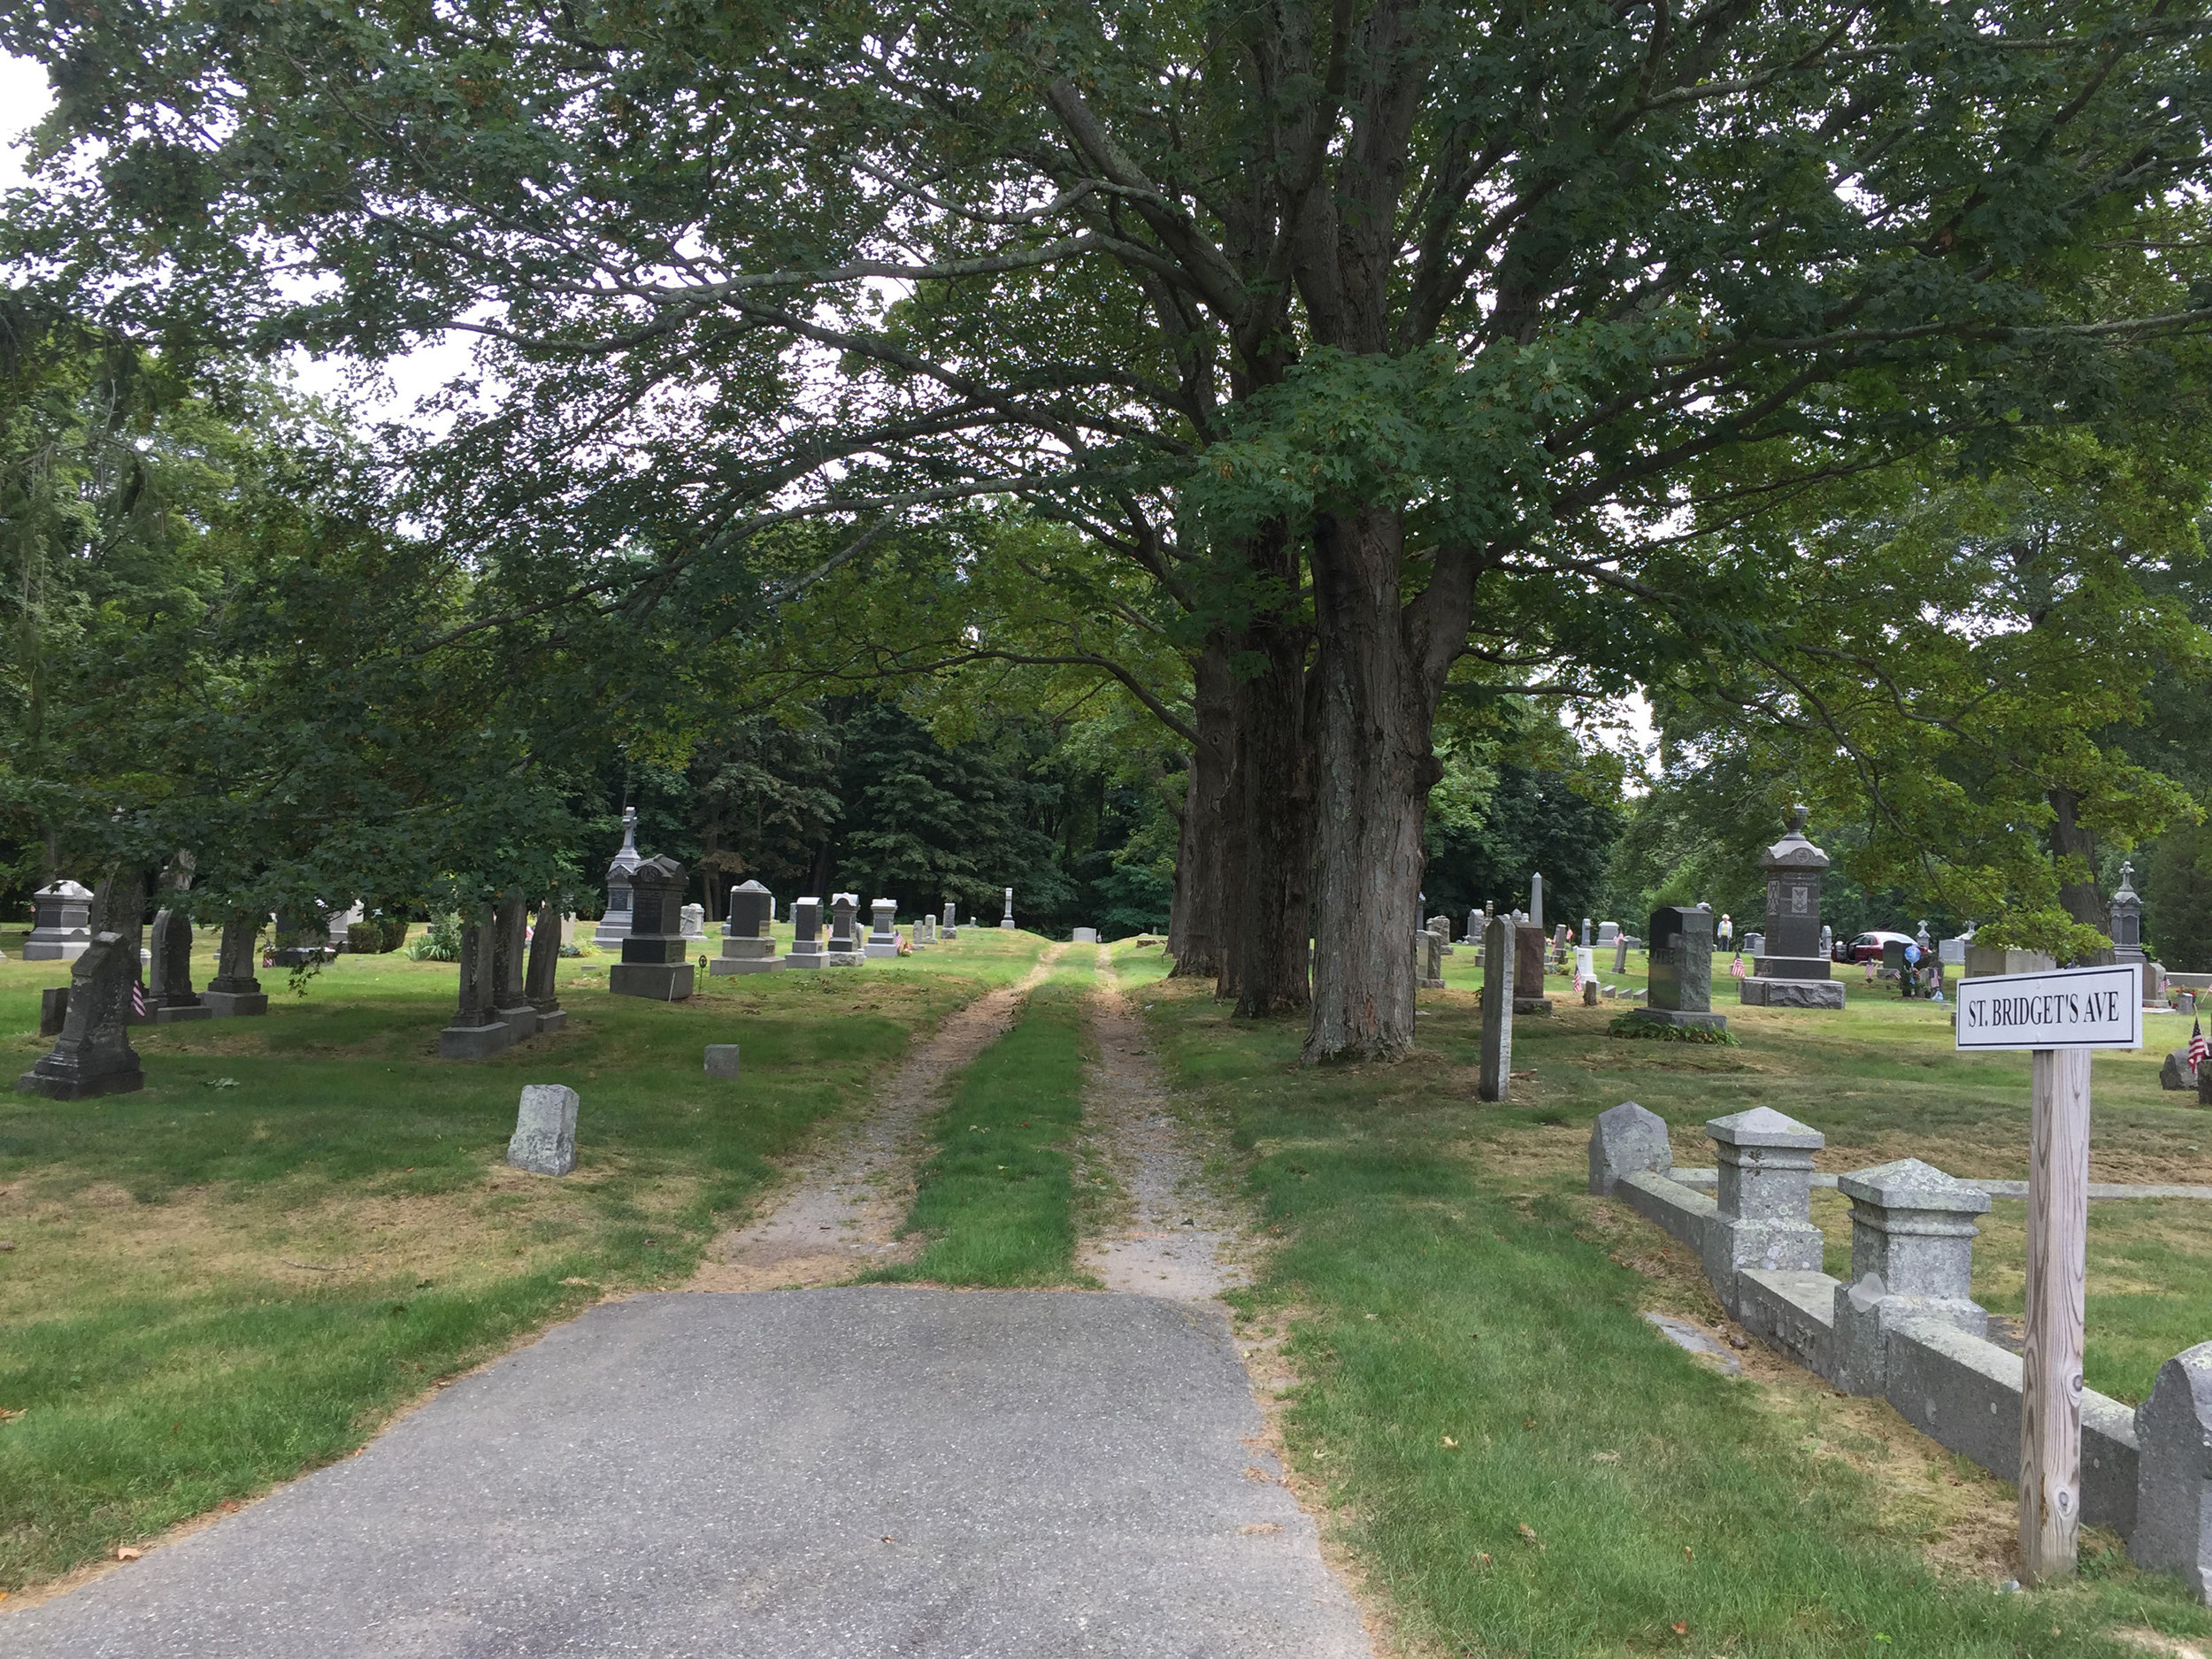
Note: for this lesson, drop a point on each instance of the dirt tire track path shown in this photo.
(841, 1213)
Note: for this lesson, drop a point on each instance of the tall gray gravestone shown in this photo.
(61, 923)
(541, 979)
(544, 1140)
(1428, 960)
(806, 933)
(653, 964)
(2127, 930)
(511, 935)
(170, 998)
(1682, 969)
(1007, 921)
(1536, 903)
(476, 1032)
(951, 928)
(1496, 1081)
(747, 945)
(844, 940)
(93, 1055)
(614, 927)
(1790, 970)
(883, 938)
(234, 989)
(1528, 972)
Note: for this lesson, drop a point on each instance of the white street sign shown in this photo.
(2068, 1008)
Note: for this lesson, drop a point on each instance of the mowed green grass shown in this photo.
(996, 1199)
(305, 1220)
(1523, 1463)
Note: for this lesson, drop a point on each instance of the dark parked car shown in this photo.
(1868, 947)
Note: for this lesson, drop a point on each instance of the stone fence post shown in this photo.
(1912, 1256)
(1765, 1203)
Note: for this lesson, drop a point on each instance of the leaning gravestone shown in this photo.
(653, 964)
(1528, 972)
(544, 1140)
(476, 1032)
(747, 945)
(1620, 953)
(61, 928)
(234, 989)
(93, 1055)
(170, 998)
(1682, 970)
(806, 933)
(540, 981)
(1495, 1079)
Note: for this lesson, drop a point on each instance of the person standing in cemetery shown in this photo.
(1727, 933)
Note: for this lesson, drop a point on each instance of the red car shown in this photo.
(1868, 947)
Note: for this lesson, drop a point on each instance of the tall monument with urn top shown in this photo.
(1790, 970)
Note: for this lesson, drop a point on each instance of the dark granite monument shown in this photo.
(1682, 969)
(539, 984)
(806, 933)
(476, 1032)
(1790, 969)
(234, 989)
(747, 945)
(844, 941)
(93, 1055)
(614, 927)
(511, 933)
(653, 964)
(1528, 972)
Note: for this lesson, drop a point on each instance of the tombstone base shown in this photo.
(876, 952)
(609, 938)
(39, 950)
(1760, 992)
(1008, 926)
(721, 966)
(76, 1086)
(1534, 1007)
(223, 1004)
(949, 933)
(522, 1019)
(799, 958)
(657, 981)
(551, 1019)
(176, 1014)
(844, 959)
(1678, 1017)
(473, 1042)
(1430, 985)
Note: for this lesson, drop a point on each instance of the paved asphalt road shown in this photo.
(786, 1475)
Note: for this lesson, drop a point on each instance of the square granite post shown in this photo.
(1912, 1257)
(654, 961)
(234, 989)
(93, 1055)
(1765, 1201)
(541, 982)
(747, 945)
(1495, 1082)
(806, 933)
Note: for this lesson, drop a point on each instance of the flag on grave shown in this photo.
(2197, 1049)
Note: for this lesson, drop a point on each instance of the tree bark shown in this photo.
(1194, 934)
(1272, 900)
(2074, 849)
(1382, 667)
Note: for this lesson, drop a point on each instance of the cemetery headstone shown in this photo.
(302, 937)
(883, 938)
(1608, 932)
(1007, 921)
(1587, 938)
(1620, 953)
(2173, 1517)
(614, 927)
(476, 1032)
(540, 981)
(61, 923)
(747, 945)
(1790, 970)
(844, 940)
(93, 1055)
(1627, 1140)
(925, 930)
(510, 932)
(694, 921)
(1536, 903)
(234, 989)
(952, 921)
(722, 1060)
(1682, 969)
(339, 928)
(655, 961)
(1528, 972)
(169, 995)
(1085, 936)
(1428, 960)
(1953, 951)
(1494, 1082)
(1827, 942)
(544, 1142)
(806, 933)
(2127, 932)
(1755, 946)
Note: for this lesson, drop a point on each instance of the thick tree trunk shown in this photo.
(1275, 797)
(2074, 849)
(1381, 667)
(1195, 937)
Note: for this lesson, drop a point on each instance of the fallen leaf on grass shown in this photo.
(1681, 1629)
(1450, 1445)
(1605, 1457)
(1528, 1422)
(1250, 1528)
(126, 1553)
(576, 1281)
(1528, 1534)
(1689, 1554)
(1482, 1559)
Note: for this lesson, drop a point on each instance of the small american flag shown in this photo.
(138, 999)
(2197, 1049)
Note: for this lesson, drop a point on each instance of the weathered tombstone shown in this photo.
(614, 927)
(1428, 960)
(1828, 942)
(654, 962)
(1590, 992)
(1528, 972)
(544, 1140)
(1627, 1140)
(722, 1060)
(1912, 1257)
(1085, 936)
(476, 1032)
(1620, 953)
(1587, 938)
(1495, 1079)
(883, 937)
(61, 923)
(93, 1055)
(540, 982)
(1790, 970)
(1536, 904)
(1007, 921)
(694, 921)
(301, 939)
(53, 1011)
(844, 940)
(806, 933)
(169, 995)
(510, 932)
(118, 907)
(234, 989)
(1608, 932)
(747, 945)
(952, 921)
(339, 928)
(2177, 1072)
(1475, 924)
(1682, 969)
(925, 930)
(2173, 1492)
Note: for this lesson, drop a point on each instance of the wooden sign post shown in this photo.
(2059, 1017)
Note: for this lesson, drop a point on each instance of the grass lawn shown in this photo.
(1520, 1463)
(305, 1220)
